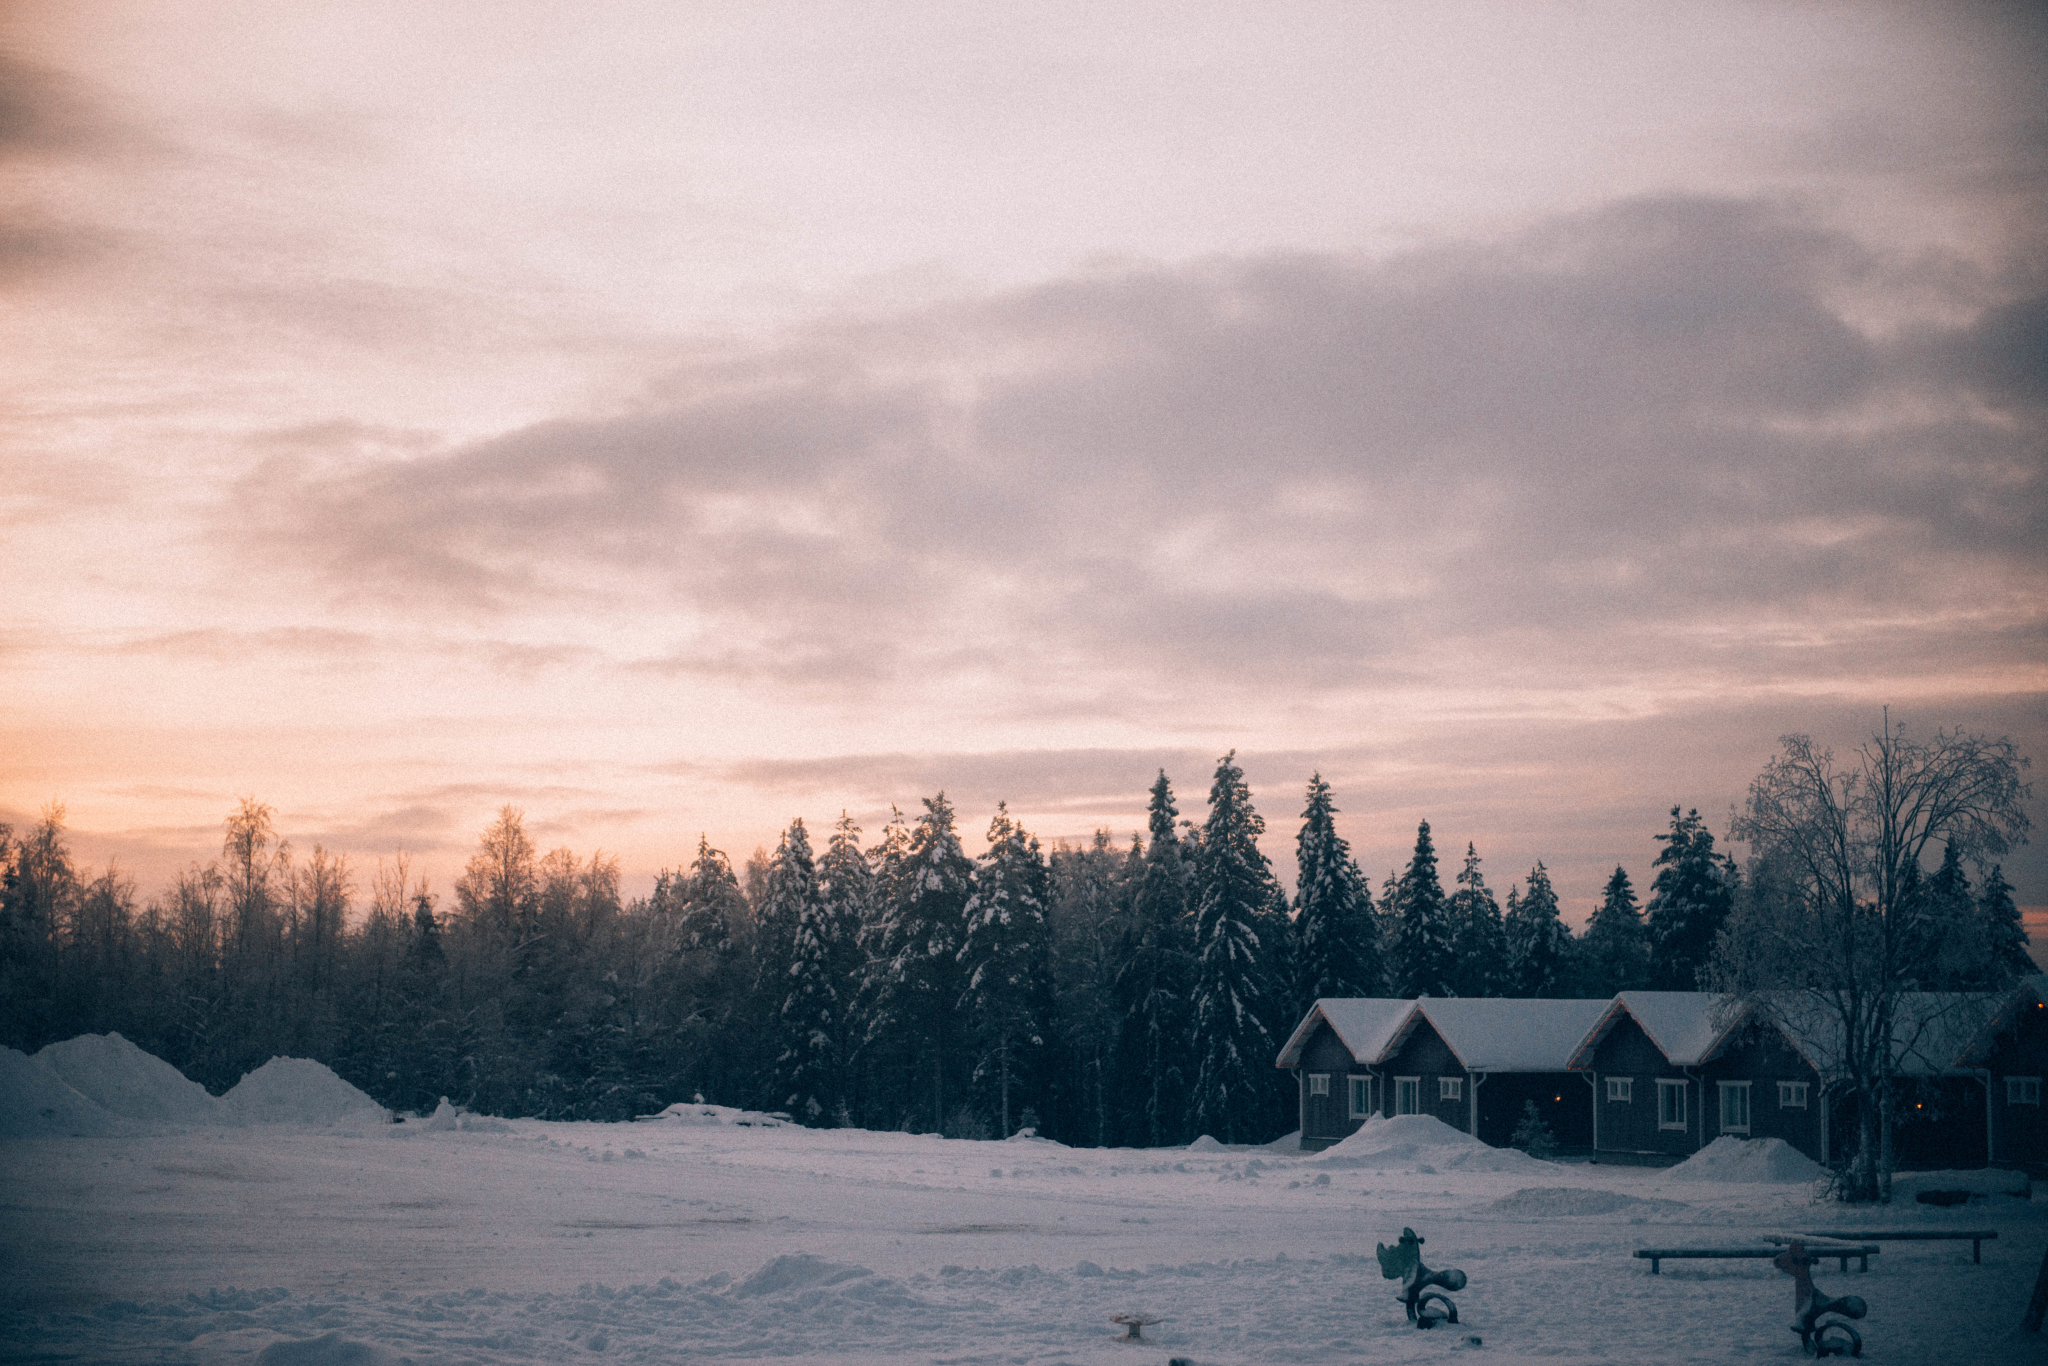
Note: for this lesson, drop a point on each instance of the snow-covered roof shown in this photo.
(1932, 1031)
(1687, 1027)
(1363, 1024)
(1510, 1035)
(2030, 993)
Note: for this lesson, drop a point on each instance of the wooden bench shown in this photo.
(1977, 1237)
(1842, 1252)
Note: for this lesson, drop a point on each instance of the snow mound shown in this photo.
(797, 1271)
(1286, 1143)
(447, 1118)
(1206, 1144)
(37, 1103)
(122, 1079)
(698, 1113)
(1422, 1143)
(1564, 1202)
(298, 1091)
(1987, 1181)
(1729, 1158)
(329, 1349)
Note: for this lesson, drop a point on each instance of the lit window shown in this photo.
(1792, 1095)
(1319, 1083)
(1734, 1107)
(1450, 1088)
(2022, 1090)
(1407, 1095)
(1361, 1097)
(1670, 1104)
(1622, 1089)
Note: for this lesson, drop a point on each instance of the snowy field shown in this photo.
(256, 1236)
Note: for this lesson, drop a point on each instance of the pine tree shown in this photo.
(810, 1068)
(1539, 945)
(1689, 902)
(926, 879)
(1003, 955)
(713, 909)
(789, 892)
(2003, 927)
(1617, 947)
(1480, 937)
(1234, 1089)
(1337, 948)
(1156, 973)
(1425, 956)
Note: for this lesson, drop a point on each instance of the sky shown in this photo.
(675, 419)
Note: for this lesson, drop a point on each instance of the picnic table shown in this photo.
(1977, 1237)
(1840, 1251)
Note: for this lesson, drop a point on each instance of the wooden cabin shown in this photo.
(1330, 1052)
(2010, 1057)
(1498, 1056)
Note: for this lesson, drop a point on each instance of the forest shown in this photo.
(1109, 993)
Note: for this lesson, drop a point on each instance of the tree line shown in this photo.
(1100, 993)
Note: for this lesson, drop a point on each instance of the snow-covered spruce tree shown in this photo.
(1235, 1098)
(1155, 975)
(916, 973)
(1689, 901)
(2003, 930)
(1337, 941)
(1004, 956)
(1616, 947)
(1425, 958)
(847, 883)
(812, 1065)
(714, 910)
(791, 900)
(1539, 945)
(1480, 938)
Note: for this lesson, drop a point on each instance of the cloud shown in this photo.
(1650, 432)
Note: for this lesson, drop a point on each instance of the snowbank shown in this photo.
(1207, 1144)
(37, 1103)
(1729, 1158)
(698, 1113)
(122, 1079)
(797, 1271)
(1985, 1181)
(1422, 1143)
(299, 1091)
(447, 1118)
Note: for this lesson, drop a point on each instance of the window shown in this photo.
(1734, 1107)
(1621, 1089)
(1407, 1095)
(1450, 1088)
(1792, 1095)
(1319, 1083)
(2022, 1090)
(1361, 1097)
(1670, 1104)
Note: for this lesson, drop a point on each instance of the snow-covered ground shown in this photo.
(693, 1237)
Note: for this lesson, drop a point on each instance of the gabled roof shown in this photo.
(1491, 1034)
(1682, 1024)
(1363, 1024)
(1932, 1031)
(2030, 993)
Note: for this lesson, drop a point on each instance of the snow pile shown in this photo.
(120, 1078)
(1564, 1202)
(329, 1349)
(1206, 1144)
(1987, 1181)
(299, 1091)
(698, 1113)
(447, 1118)
(797, 1271)
(1422, 1143)
(37, 1103)
(1729, 1158)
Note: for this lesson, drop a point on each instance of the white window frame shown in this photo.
(2022, 1090)
(1621, 1090)
(1450, 1088)
(1319, 1083)
(1407, 1095)
(1667, 1088)
(1361, 1096)
(1792, 1095)
(1730, 1091)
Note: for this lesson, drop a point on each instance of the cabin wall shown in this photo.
(1425, 1056)
(2019, 1130)
(1631, 1126)
(1760, 1056)
(1326, 1119)
(1562, 1099)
